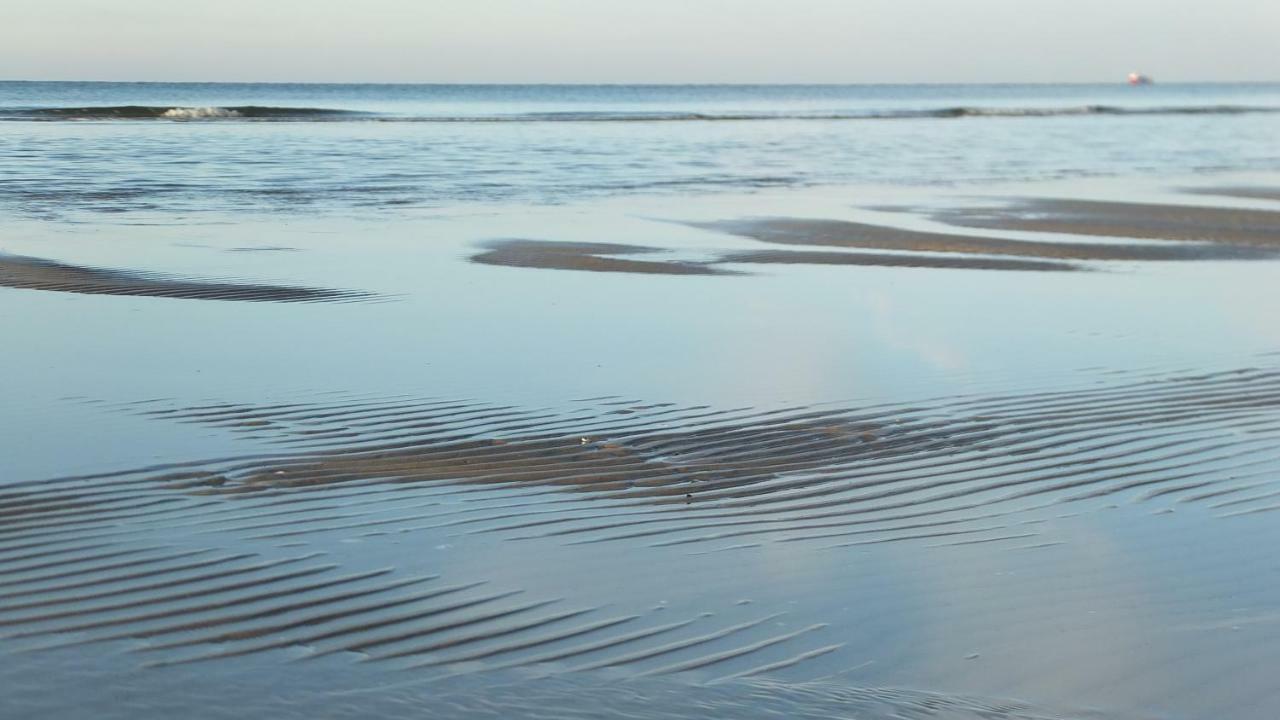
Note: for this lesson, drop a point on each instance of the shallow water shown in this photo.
(510, 491)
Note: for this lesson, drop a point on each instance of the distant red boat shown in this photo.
(1139, 79)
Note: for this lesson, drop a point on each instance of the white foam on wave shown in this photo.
(199, 113)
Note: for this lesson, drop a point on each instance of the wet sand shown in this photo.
(239, 560)
(688, 475)
(1233, 230)
(1184, 233)
(600, 257)
(844, 234)
(31, 273)
(592, 257)
(812, 257)
(1245, 192)
(1006, 549)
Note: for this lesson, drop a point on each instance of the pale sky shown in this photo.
(660, 41)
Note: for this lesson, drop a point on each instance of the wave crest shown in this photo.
(175, 112)
(199, 113)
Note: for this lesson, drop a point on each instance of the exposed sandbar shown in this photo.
(591, 257)
(601, 257)
(819, 257)
(845, 234)
(31, 273)
(1248, 193)
(1245, 229)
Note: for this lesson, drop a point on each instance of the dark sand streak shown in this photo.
(599, 257)
(794, 257)
(29, 273)
(853, 235)
(593, 257)
(1248, 193)
(1241, 233)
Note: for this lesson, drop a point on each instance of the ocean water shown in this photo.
(273, 443)
(72, 148)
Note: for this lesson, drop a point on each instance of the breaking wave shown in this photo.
(200, 113)
(165, 112)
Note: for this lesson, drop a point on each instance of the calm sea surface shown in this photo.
(68, 148)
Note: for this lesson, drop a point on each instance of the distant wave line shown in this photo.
(298, 114)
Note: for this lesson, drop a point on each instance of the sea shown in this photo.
(70, 148)
(280, 438)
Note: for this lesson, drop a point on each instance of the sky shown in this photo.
(658, 41)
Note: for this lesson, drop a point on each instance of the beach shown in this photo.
(902, 437)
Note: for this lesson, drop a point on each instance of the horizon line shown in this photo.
(1119, 81)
